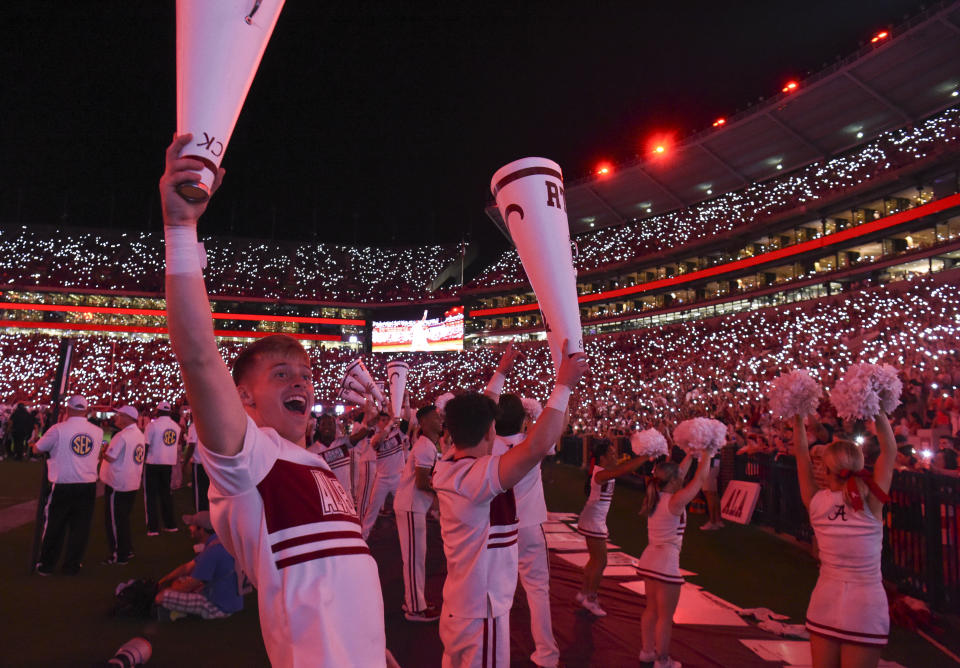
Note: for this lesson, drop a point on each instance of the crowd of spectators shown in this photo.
(133, 261)
(612, 246)
(718, 367)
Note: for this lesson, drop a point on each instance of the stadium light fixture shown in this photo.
(955, 93)
(790, 87)
(660, 148)
(860, 135)
(882, 35)
(720, 121)
(604, 169)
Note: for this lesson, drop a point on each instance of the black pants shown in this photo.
(117, 507)
(156, 492)
(201, 483)
(69, 510)
(19, 444)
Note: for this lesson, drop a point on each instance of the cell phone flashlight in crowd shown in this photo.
(926, 454)
(933, 386)
(134, 652)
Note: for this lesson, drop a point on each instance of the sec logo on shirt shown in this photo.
(169, 437)
(81, 444)
(138, 454)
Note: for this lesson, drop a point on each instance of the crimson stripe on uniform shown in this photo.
(485, 630)
(503, 535)
(314, 537)
(319, 554)
(512, 542)
(494, 642)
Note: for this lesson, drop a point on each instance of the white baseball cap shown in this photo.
(164, 406)
(77, 403)
(129, 411)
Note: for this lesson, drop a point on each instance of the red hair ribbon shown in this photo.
(856, 500)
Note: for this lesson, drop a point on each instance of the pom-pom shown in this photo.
(441, 401)
(700, 434)
(532, 408)
(648, 442)
(794, 393)
(865, 390)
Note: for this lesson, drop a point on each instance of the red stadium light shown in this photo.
(604, 169)
(790, 87)
(660, 149)
(883, 34)
(720, 121)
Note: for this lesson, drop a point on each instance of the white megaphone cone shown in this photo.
(397, 372)
(359, 372)
(219, 47)
(351, 383)
(351, 396)
(530, 197)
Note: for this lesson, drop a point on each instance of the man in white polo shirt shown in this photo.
(121, 472)
(478, 519)
(163, 439)
(414, 497)
(72, 471)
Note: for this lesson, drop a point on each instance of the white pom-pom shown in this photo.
(700, 434)
(441, 401)
(865, 390)
(532, 408)
(794, 393)
(649, 442)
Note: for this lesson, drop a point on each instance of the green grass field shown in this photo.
(65, 621)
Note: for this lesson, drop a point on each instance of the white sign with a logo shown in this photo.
(739, 501)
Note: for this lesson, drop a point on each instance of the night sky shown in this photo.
(382, 122)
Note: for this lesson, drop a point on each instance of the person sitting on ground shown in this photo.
(206, 586)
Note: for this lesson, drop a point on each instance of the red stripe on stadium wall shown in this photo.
(137, 329)
(796, 249)
(108, 310)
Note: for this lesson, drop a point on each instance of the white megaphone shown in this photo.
(351, 383)
(351, 396)
(397, 372)
(530, 197)
(358, 371)
(219, 47)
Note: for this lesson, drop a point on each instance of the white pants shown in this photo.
(475, 643)
(382, 486)
(534, 567)
(363, 486)
(412, 530)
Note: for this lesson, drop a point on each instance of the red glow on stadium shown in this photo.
(719, 122)
(882, 35)
(790, 87)
(604, 169)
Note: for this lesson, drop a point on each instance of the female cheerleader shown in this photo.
(665, 506)
(847, 617)
(593, 518)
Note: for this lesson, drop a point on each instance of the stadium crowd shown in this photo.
(133, 261)
(614, 245)
(651, 377)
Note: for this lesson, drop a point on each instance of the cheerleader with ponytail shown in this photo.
(848, 617)
(593, 519)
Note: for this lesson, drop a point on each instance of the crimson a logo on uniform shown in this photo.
(81, 444)
(297, 494)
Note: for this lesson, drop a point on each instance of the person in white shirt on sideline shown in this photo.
(336, 451)
(414, 498)
(201, 482)
(73, 446)
(278, 509)
(163, 440)
(121, 472)
(478, 519)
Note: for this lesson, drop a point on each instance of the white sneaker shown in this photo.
(666, 663)
(593, 607)
(648, 657)
(709, 526)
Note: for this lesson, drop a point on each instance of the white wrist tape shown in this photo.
(495, 386)
(184, 255)
(559, 398)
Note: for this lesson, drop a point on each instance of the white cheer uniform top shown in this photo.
(390, 453)
(163, 437)
(665, 528)
(293, 530)
(531, 505)
(74, 449)
(337, 456)
(423, 455)
(478, 523)
(598, 503)
(850, 541)
(127, 449)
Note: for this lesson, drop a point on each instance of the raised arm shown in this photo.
(515, 463)
(883, 467)
(801, 448)
(369, 417)
(626, 467)
(221, 419)
(495, 385)
(680, 499)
